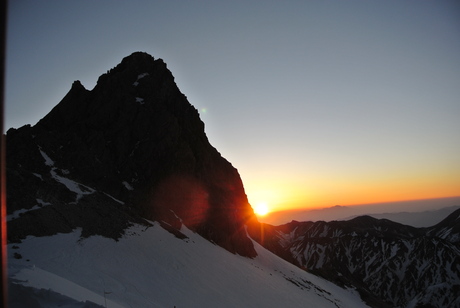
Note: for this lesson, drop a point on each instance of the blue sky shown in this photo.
(316, 103)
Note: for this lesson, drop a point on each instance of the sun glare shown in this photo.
(261, 208)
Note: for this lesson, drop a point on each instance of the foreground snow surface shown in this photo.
(149, 267)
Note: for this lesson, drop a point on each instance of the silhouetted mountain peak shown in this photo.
(77, 86)
(364, 220)
(136, 138)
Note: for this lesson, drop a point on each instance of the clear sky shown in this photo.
(316, 103)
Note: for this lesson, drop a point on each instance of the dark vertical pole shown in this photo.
(3, 273)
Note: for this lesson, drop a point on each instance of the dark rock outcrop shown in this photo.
(131, 149)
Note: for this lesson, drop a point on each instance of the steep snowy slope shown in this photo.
(150, 267)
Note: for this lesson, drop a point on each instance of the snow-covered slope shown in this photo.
(149, 267)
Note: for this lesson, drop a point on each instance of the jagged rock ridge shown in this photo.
(131, 149)
(391, 265)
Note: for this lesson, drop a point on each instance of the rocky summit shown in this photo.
(132, 150)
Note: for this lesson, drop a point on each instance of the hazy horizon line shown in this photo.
(378, 204)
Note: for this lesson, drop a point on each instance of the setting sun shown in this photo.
(261, 208)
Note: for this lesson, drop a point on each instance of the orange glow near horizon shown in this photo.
(321, 192)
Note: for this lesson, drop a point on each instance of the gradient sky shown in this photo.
(316, 103)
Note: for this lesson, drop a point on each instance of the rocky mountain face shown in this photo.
(132, 149)
(390, 264)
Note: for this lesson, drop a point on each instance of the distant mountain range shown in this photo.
(417, 219)
(438, 210)
(116, 198)
(390, 264)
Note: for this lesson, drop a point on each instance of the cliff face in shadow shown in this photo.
(131, 149)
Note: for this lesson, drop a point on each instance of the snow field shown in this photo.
(149, 267)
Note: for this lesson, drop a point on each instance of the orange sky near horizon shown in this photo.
(312, 192)
(316, 104)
